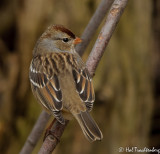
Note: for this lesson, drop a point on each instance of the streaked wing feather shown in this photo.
(55, 83)
(55, 95)
(84, 87)
(47, 99)
(48, 92)
(84, 94)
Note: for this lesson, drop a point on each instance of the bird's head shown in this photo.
(57, 38)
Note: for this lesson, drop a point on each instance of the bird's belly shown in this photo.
(71, 100)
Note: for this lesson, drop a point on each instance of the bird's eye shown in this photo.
(65, 39)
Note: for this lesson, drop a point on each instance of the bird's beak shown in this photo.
(77, 40)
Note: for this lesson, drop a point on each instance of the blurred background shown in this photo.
(127, 80)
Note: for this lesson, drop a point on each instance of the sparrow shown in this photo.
(60, 80)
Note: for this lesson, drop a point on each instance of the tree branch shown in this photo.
(93, 24)
(113, 17)
(35, 133)
(101, 43)
(53, 139)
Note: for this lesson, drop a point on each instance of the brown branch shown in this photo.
(35, 133)
(114, 15)
(86, 36)
(93, 24)
(53, 139)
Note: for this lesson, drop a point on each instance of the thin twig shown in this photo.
(101, 43)
(113, 17)
(93, 24)
(35, 133)
(87, 35)
(53, 139)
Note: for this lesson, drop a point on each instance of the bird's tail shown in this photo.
(89, 126)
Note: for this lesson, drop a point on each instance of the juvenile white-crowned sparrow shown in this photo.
(60, 80)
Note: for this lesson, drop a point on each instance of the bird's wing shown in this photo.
(84, 86)
(46, 88)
